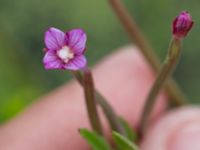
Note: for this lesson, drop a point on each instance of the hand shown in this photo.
(124, 79)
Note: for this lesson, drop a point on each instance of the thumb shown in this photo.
(178, 130)
(124, 78)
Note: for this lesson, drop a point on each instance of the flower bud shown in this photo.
(182, 24)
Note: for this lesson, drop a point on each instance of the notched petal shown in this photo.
(76, 40)
(54, 39)
(77, 63)
(51, 61)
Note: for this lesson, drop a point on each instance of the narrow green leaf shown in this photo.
(122, 142)
(131, 134)
(96, 141)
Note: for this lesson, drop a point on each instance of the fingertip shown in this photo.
(177, 130)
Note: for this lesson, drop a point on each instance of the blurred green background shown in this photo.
(23, 23)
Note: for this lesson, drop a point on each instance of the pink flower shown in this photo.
(182, 24)
(65, 50)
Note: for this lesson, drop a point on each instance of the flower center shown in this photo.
(65, 54)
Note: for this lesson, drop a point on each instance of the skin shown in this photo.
(124, 78)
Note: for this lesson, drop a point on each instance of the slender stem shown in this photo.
(106, 107)
(138, 38)
(165, 72)
(90, 101)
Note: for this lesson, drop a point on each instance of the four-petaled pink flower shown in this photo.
(65, 50)
(182, 24)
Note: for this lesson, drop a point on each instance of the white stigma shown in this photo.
(65, 54)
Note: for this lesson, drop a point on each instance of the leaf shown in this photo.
(131, 134)
(96, 141)
(122, 142)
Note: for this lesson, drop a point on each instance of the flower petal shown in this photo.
(51, 61)
(76, 40)
(54, 39)
(77, 63)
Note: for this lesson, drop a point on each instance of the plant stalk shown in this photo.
(165, 72)
(136, 36)
(88, 85)
(106, 107)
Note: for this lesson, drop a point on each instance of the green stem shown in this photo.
(106, 107)
(139, 39)
(90, 101)
(165, 72)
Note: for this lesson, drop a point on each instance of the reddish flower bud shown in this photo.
(182, 24)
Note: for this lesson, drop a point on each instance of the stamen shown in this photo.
(65, 54)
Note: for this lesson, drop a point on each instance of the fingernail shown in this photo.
(186, 137)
